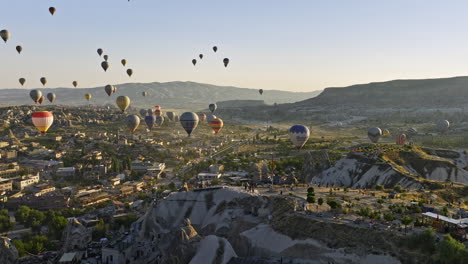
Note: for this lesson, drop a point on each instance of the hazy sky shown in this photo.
(296, 45)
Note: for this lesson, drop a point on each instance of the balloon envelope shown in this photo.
(129, 72)
(159, 120)
(150, 120)
(43, 81)
(215, 48)
(213, 107)
(19, 49)
(200, 56)
(299, 134)
(260, 91)
(51, 97)
(194, 62)
(226, 62)
(52, 10)
(189, 121)
(5, 35)
(210, 117)
(100, 51)
(443, 126)
(202, 117)
(374, 134)
(75, 84)
(157, 112)
(105, 65)
(216, 124)
(88, 96)
(124, 62)
(42, 120)
(170, 115)
(35, 95)
(109, 89)
(123, 102)
(41, 99)
(22, 81)
(133, 121)
(143, 112)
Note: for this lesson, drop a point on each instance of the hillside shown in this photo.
(169, 95)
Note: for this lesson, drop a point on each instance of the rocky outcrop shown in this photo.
(75, 236)
(8, 252)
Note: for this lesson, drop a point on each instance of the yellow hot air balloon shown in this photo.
(216, 124)
(88, 96)
(123, 102)
(42, 120)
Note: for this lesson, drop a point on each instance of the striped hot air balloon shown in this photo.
(157, 107)
(401, 139)
(299, 135)
(189, 121)
(157, 112)
(150, 120)
(216, 124)
(202, 117)
(42, 120)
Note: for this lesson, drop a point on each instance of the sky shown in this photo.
(296, 45)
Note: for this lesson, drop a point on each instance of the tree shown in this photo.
(406, 220)
(35, 219)
(22, 214)
(57, 225)
(450, 250)
(320, 201)
(333, 204)
(388, 216)
(5, 224)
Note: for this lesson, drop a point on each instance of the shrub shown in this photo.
(310, 190)
(333, 204)
(379, 187)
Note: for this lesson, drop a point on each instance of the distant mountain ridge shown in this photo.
(169, 95)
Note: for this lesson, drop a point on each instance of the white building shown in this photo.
(66, 172)
(26, 181)
(206, 176)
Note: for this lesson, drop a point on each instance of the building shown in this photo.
(65, 172)
(42, 203)
(26, 181)
(9, 170)
(42, 188)
(150, 169)
(206, 176)
(5, 185)
(114, 181)
(9, 154)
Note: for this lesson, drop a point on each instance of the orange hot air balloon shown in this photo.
(157, 107)
(42, 120)
(41, 100)
(158, 112)
(202, 117)
(216, 124)
(52, 10)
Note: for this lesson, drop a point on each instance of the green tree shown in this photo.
(333, 204)
(56, 226)
(450, 250)
(388, 216)
(5, 224)
(22, 214)
(320, 201)
(406, 220)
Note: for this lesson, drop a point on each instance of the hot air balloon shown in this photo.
(22, 81)
(5, 35)
(226, 62)
(150, 120)
(35, 95)
(43, 81)
(401, 139)
(210, 117)
(51, 97)
(159, 120)
(374, 134)
(202, 117)
(144, 93)
(212, 107)
(100, 51)
(443, 126)
(150, 111)
(52, 10)
(75, 83)
(123, 102)
(260, 91)
(88, 96)
(41, 99)
(42, 120)
(386, 133)
(200, 56)
(411, 131)
(109, 89)
(157, 107)
(216, 124)
(133, 121)
(114, 89)
(124, 62)
(299, 134)
(157, 112)
(215, 49)
(19, 49)
(105, 65)
(143, 112)
(189, 121)
(170, 115)
(194, 62)
(106, 57)
(129, 72)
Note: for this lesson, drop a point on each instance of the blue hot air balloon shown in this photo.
(212, 107)
(189, 121)
(150, 120)
(299, 135)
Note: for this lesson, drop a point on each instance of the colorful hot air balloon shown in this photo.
(123, 102)
(35, 95)
(51, 97)
(124, 62)
(157, 107)
(215, 49)
(200, 56)
(114, 89)
(226, 62)
(129, 72)
(42, 120)
(133, 121)
(100, 51)
(150, 111)
(41, 99)
(189, 121)
(194, 62)
(109, 89)
(105, 65)
(210, 117)
(159, 120)
(19, 49)
(5, 35)
(170, 115)
(143, 112)
(106, 57)
(144, 93)
(299, 134)
(374, 134)
(386, 133)
(202, 117)
(443, 126)
(75, 83)
(401, 139)
(150, 120)
(52, 10)
(88, 96)
(260, 91)
(22, 81)
(216, 124)
(212, 107)
(43, 81)
(157, 112)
